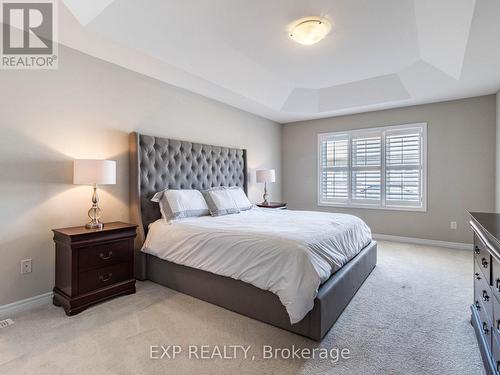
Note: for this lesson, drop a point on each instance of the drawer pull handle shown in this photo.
(484, 263)
(479, 277)
(477, 250)
(498, 366)
(478, 306)
(485, 328)
(498, 325)
(486, 297)
(103, 257)
(497, 282)
(106, 278)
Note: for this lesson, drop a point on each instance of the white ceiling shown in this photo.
(383, 54)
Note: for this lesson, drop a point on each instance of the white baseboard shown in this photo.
(26, 304)
(423, 241)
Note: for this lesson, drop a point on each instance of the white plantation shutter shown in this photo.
(366, 151)
(335, 185)
(366, 168)
(377, 168)
(404, 167)
(334, 161)
(366, 185)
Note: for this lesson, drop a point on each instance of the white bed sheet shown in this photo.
(290, 253)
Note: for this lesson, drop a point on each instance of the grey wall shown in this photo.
(86, 109)
(461, 166)
(497, 182)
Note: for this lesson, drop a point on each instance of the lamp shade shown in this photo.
(265, 175)
(90, 172)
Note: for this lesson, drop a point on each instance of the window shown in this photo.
(374, 168)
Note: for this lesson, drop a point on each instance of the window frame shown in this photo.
(382, 204)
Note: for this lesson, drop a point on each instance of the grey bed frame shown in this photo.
(160, 163)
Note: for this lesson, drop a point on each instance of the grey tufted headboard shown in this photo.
(161, 163)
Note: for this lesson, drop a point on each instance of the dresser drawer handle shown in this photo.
(484, 263)
(498, 325)
(485, 328)
(478, 306)
(103, 257)
(497, 282)
(479, 277)
(106, 278)
(486, 297)
(477, 250)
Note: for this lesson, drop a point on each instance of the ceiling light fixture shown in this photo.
(309, 30)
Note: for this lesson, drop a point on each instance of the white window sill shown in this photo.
(372, 207)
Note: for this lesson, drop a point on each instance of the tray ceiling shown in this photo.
(397, 53)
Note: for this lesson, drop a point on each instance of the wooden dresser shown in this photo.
(486, 307)
(93, 265)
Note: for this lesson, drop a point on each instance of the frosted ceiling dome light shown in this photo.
(309, 30)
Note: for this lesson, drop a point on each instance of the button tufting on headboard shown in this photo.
(167, 163)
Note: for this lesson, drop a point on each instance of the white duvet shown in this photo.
(289, 253)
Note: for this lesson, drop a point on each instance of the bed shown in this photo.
(160, 163)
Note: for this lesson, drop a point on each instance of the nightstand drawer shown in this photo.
(102, 277)
(104, 255)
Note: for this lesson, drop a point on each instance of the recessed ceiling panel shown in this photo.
(365, 41)
(388, 88)
(443, 32)
(371, 91)
(302, 100)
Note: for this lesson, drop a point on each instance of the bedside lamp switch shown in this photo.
(26, 266)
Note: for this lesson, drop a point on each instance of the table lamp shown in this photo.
(265, 176)
(94, 172)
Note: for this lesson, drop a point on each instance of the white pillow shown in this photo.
(220, 202)
(178, 204)
(240, 198)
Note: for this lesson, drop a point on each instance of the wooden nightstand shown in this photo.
(278, 205)
(93, 265)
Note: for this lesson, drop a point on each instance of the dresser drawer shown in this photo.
(483, 258)
(495, 351)
(102, 277)
(483, 294)
(106, 254)
(485, 328)
(495, 280)
(496, 317)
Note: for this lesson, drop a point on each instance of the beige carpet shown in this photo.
(411, 316)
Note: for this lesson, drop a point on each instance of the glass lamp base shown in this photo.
(95, 213)
(266, 199)
(94, 225)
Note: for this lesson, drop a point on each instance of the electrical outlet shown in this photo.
(26, 266)
(453, 225)
(6, 322)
